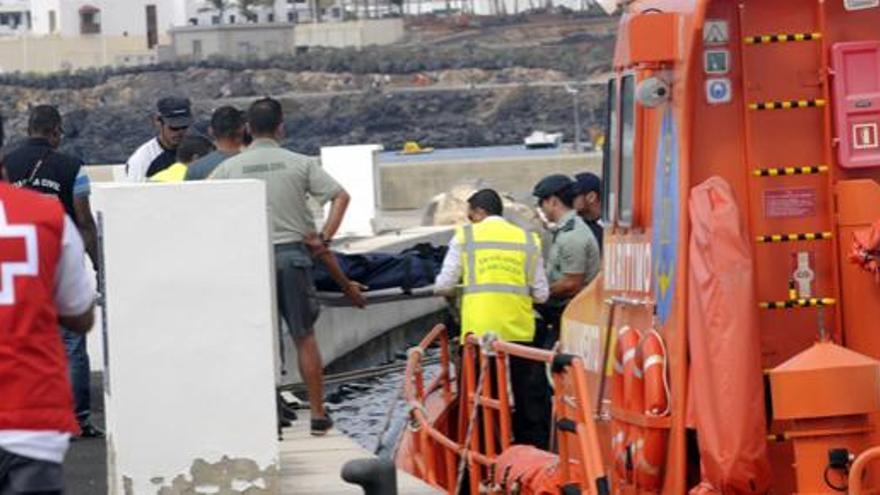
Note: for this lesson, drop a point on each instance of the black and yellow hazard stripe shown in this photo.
(777, 171)
(797, 303)
(802, 236)
(781, 38)
(786, 104)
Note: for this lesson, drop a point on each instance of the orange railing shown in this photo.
(480, 438)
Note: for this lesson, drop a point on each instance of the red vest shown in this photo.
(35, 389)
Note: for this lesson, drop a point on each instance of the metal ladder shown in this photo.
(795, 108)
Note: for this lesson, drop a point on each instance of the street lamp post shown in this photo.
(577, 116)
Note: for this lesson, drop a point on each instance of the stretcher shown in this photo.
(393, 294)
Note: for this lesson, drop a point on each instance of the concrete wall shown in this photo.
(354, 33)
(233, 40)
(190, 333)
(411, 186)
(54, 53)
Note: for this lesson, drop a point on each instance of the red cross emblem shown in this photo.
(18, 255)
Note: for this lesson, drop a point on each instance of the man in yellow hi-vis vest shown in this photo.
(499, 270)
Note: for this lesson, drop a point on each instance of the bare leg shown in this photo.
(312, 371)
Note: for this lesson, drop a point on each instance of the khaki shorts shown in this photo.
(297, 296)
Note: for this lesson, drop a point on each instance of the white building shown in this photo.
(280, 12)
(142, 17)
(488, 7)
(150, 18)
(15, 17)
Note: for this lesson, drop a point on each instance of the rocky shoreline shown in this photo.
(441, 95)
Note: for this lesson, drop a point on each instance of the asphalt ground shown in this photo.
(85, 467)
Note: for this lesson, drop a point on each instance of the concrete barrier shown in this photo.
(408, 185)
(190, 333)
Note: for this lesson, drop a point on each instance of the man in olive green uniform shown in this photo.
(574, 259)
(290, 179)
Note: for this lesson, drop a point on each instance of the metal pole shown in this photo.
(577, 122)
(577, 116)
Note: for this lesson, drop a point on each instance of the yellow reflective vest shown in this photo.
(174, 173)
(498, 263)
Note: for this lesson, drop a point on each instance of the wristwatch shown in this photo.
(324, 239)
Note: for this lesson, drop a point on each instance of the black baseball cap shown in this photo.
(175, 111)
(552, 184)
(588, 182)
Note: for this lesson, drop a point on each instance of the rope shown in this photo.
(470, 427)
(363, 374)
(390, 413)
(388, 416)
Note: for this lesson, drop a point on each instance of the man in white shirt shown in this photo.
(173, 119)
(499, 270)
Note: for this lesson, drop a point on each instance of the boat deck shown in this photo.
(312, 465)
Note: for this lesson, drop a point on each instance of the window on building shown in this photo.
(627, 148)
(291, 17)
(197, 49)
(270, 17)
(232, 19)
(610, 149)
(152, 26)
(89, 20)
(3, 20)
(215, 20)
(53, 21)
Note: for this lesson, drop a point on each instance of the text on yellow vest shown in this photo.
(498, 262)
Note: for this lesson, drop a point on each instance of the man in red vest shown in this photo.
(43, 282)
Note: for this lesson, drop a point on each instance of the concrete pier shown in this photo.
(312, 465)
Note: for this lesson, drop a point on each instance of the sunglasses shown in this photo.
(174, 128)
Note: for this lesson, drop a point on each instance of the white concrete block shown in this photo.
(190, 337)
(355, 168)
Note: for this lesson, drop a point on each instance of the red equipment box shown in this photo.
(856, 69)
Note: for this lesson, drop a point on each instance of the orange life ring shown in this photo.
(651, 447)
(628, 394)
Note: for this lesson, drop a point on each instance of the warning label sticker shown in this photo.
(865, 136)
(790, 203)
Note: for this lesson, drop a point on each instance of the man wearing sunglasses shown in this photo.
(173, 118)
